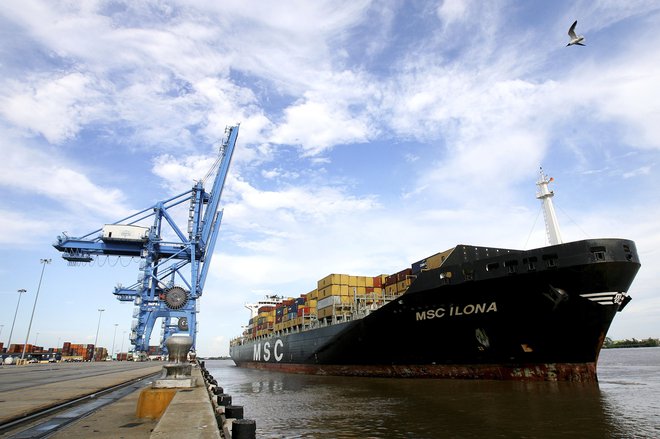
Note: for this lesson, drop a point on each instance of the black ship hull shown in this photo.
(485, 313)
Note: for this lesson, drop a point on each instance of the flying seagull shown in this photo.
(575, 39)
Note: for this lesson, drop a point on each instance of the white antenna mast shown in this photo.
(545, 195)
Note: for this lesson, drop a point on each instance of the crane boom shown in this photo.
(169, 256)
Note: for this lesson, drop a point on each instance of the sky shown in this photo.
(372, 134)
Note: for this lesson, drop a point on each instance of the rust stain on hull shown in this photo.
(574, 372)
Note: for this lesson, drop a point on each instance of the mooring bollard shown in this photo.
(234, 411)
(226, 413)
(243, 429)
(178, 370)
(224, 399)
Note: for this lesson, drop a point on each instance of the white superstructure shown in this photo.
(270, 301)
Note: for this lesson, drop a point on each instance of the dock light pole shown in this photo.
(123, 337)
(44, 262)
(97, 334)
(21, 291)
(114, 337)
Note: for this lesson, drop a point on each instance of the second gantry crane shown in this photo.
(174, 262)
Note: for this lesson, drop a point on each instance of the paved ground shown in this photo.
(25, 389)
(115, 421)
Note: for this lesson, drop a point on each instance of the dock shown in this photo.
(78, 400)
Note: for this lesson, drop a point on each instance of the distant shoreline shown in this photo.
(634, 343)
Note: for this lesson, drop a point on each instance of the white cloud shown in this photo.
(644, 170)
(44, 174)
(336, 110)
(55, 107)
(451, 11)
(18, 228)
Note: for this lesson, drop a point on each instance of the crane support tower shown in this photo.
(174, 264)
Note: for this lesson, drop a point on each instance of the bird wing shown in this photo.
(571, 31)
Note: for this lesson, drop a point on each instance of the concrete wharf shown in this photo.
(33, 388)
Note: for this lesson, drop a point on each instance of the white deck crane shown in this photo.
(545, 195)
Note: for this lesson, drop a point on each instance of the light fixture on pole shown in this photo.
(97, 334)
(21, 291)
(44, 262)
(122, 343)
(114, 337)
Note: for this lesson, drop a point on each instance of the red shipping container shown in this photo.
(303, 309)
(403, 274)
(390, 280)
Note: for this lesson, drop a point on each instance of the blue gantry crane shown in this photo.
(173, 263)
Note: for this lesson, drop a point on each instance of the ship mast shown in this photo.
(545, 195)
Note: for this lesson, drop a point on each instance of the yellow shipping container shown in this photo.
(313, 295)
(437, 259)
(403, 285)
(356, 291)
(352, 281)
(330, 290)
(361, 281)
(346, 300)
(391, 289)
(325, 312)
(333, 279)
(369, 282)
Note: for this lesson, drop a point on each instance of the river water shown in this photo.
(624, 404)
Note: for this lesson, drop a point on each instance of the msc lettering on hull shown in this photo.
(459, 310)
(265, 348)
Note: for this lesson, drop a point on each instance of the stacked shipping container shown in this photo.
(337, 296)
(338, 293)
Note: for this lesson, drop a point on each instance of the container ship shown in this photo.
(468, 312)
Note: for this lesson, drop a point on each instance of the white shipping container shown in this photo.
(122, 232)
(328, 301)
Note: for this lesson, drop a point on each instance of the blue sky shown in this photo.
(373, 134)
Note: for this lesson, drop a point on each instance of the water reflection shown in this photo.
(304, 406)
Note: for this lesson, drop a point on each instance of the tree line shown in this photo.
(631, 343)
